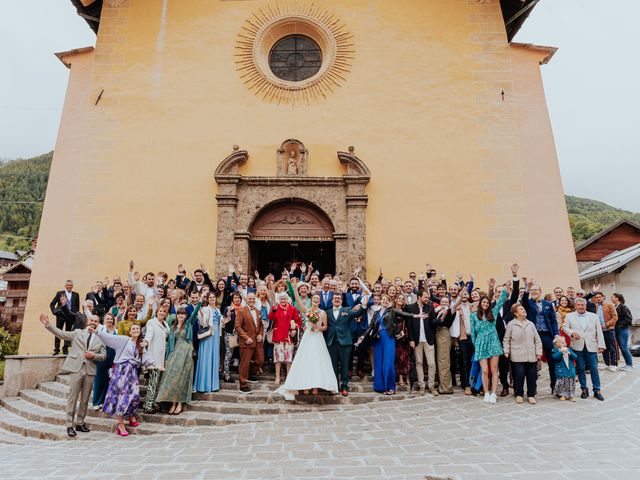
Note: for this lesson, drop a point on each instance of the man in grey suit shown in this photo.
(587, 340)
(86, 350)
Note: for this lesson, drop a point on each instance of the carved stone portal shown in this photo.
(291, 207)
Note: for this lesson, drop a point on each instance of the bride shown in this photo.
(311, 368)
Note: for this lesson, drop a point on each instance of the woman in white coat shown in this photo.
(156, 341)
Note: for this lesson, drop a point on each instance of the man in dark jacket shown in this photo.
(543, 316)
(422, 339)
(72, 301)
(504, 317)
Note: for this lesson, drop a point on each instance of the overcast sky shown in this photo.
(592, 86)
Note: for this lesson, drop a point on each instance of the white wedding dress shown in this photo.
(311, 367)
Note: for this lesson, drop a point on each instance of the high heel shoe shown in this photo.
(133, 423)
(122, 434)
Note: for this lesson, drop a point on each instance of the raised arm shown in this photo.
(194, 314)
(500, 302)
(117, 342)
(62, 335)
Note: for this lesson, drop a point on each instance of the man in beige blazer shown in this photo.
(86, 349)
(587, 341)
(250, 334)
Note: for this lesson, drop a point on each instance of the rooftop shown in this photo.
(611, 263)
(514, 12)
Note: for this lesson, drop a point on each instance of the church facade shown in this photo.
(370, 133)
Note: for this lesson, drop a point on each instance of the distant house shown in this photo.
(617, 272)
(8, 259)
(619, 236)
(17, 280)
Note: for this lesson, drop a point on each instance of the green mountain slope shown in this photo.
(25, 180)
(22, 180)
(588, 217)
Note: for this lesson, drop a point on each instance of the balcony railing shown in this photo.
(14, 293)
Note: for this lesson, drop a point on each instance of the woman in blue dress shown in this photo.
(207, 378)
(382, 331)
(486, 342)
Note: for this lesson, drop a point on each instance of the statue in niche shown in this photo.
(292, 168)
(292, 159)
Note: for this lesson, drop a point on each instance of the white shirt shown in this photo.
(68, 294)
(582, 320)
(253, 315)
(423, 335)
(336, 313)
(466, 310)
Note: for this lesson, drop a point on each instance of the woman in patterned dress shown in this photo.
(123, 394)
(403, 350)
(486, 341)
(176, 386)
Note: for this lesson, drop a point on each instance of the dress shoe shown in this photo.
(433, 392)
(229, 380)
(519, 400)
(71, 432)
(422, 391)
(585, 394)
(598, 396)
(82, 428)
(532, 400)
(504, 392)
(345, 392)
(56, 352)
(467, 391)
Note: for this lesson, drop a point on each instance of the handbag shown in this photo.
(204, 332)
(232, 340)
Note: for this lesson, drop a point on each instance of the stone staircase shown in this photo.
(40, 413)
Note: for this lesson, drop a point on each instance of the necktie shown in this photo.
(88, 341)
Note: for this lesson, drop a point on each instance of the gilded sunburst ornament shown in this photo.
(294, 53)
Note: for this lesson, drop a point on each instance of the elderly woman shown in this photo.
(286, 323)
(522, 345)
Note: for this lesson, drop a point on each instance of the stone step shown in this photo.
(36, 413)
(18, 425)
(256, 409)
(323, 398)
(207, 417)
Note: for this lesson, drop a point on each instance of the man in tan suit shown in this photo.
(86, 350)
(587, 341)
(250, 335)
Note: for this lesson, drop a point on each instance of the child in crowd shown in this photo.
(565, 369)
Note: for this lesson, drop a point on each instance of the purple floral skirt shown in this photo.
(123, 395)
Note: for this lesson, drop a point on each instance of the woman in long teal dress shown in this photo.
(207, 378)
(176, 386)
(486, 342)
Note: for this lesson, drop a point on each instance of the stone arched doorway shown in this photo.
(246, 205)
(291, 230)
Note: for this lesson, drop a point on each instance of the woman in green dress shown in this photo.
(486, 342)
(176, 386)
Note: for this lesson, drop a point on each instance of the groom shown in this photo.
(338, 338)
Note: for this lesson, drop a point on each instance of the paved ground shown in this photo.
(448, 437)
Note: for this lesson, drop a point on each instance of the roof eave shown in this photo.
(62, 55)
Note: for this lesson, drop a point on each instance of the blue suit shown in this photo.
(328, 304)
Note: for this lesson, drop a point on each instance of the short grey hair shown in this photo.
(579, 300)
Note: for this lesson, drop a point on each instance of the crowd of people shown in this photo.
(319, 332)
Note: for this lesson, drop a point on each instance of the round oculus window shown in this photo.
(295, 58)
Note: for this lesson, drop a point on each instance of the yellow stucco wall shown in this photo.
(451, 161)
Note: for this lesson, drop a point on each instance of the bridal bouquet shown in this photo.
(314, 318)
